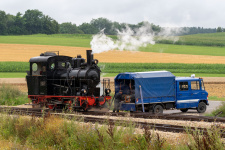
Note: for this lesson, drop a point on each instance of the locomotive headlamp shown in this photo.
(107, 91)
(83, 91)
(95, 61)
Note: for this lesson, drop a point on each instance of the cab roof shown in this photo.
(39, 59)
(149, 74)
(187, 79)
(45, 58)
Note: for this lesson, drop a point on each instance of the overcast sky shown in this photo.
(203, 13)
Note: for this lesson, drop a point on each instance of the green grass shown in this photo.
(14, 66)
(220, 111)
(12, 75)
(10, 95)
(18, 69)
(215, 98)
(56, 133)
(74, 40)
(77, 40)
(185, 49)
(59, 133)
(209, 39)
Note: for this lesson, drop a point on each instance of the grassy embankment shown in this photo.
(12, 96)
(219, 112)
(60, 133)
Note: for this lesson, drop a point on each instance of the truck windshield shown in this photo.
(203, 86)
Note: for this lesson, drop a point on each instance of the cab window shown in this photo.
(61, 65)
(195, 85)
(183, 86)
(36, 69)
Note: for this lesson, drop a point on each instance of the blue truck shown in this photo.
(158, 90)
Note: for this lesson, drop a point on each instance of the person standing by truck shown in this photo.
(118, 98)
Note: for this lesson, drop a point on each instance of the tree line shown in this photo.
(220, 29)
(32, 22)
(35, 22)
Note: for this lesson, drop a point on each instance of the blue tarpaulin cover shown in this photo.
(154, 83)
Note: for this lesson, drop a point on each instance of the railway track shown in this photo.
(160, 127)
(173, 116)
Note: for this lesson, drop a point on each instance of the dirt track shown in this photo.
(22, 52)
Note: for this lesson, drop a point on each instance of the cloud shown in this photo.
(203, 13)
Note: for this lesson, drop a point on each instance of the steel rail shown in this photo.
(173, 116)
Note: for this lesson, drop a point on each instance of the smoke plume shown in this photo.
(127, 39)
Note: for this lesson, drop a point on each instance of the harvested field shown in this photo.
(21, 52)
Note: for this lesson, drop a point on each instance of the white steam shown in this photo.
(132, 40)
(100, 43)
(170, 33)
(127, 39)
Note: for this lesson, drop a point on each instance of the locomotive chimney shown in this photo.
(89, 57)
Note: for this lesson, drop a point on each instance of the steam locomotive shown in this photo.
(62, 82)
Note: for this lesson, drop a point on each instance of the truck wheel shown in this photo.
(201, 107)
(184, 109)
(158, 109)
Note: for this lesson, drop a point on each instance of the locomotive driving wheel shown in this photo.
(84, 106)
(35, 104)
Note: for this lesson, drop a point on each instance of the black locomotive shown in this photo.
(57, 81)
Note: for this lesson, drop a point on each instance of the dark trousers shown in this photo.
(116, 105)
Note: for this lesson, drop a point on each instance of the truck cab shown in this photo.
(191, 94)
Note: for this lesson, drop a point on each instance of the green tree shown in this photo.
(103, 23)
(87, 28)
(33, 21)
(3, 23)
(219, 29)
(19, 25)
(10, 24)
(15, 25)
(50, 26)
(68, 28)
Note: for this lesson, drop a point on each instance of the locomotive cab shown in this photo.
(42, 69)
(36, 77)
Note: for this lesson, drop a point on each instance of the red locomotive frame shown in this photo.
(85, 102)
